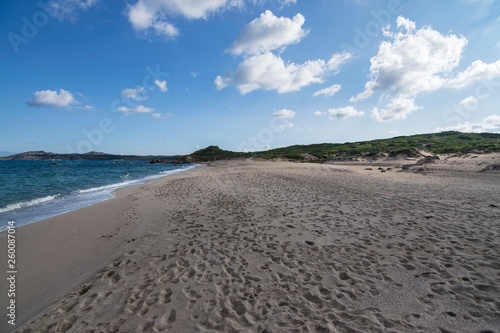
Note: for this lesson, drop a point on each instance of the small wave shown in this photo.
(171, 172)
(28, 203)
(108, 187)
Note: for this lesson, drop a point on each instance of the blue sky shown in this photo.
(172, 76)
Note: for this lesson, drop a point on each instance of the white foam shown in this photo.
(108, 187)
(28, 203)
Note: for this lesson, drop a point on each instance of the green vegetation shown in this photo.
(213, 153)
(438, 143)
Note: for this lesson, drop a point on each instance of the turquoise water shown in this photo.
(31, 191)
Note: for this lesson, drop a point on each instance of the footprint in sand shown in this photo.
(165, 321)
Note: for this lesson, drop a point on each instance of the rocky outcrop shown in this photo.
(428, 160)
(492, 167)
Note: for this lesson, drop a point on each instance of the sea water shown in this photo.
(31, 191)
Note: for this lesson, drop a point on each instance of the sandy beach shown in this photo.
(250, 246)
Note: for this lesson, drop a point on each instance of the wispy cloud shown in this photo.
(135, 109)
(330, 91)
(68, 9)
(488, 124)
(135, 94)
(162, 115)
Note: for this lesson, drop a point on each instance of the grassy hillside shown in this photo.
(438, 143)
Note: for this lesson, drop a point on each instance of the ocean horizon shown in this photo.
(31, 191)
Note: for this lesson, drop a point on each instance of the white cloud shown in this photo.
(160, 115)
(419, 60)
(330, 91)
(56, 99)
(414, 61)
(165, 29)
(67, 9)
(488, 124)
(477, 71)
(469, 102)
(345, 112)
(135, 94)
(162, 85)
(262, 69)
(317, 113)
(136, 109)
(284, 114)
(286, 126)
(397, 108)
(269, 32)
(269, 72)
(147, 15)
(338, 60)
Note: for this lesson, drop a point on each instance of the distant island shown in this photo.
(93, 155)
(450, 142)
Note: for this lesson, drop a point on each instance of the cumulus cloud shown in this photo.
(488, 124)
(419, 60)
(413, 61)
(397, 108)
(268, 71)
(135, 94)
(284, 114)
(317, 113)
(269, 32)
(416, 60)
(264, 70)
(135, 109)
(330, 91)
(162, 85)
(67, 9)
(151, 15)
(56, 99)
(343, 113)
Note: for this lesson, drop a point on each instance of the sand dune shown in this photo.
(284, 247)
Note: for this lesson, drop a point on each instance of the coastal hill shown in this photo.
(93, 155)
(450, 142)
(408, 146)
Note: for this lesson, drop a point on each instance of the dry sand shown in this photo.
(272, 247)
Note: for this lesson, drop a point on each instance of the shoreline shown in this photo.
(101, 193)
(59, 238)
(208, 249)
